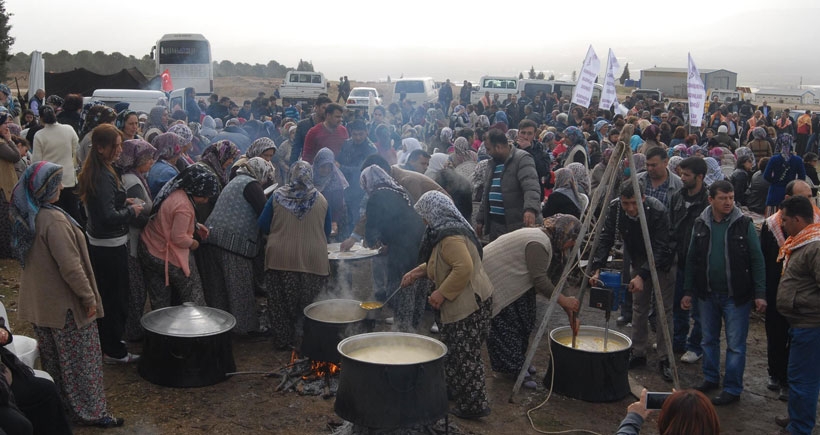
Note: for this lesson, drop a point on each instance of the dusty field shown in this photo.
(248, 404)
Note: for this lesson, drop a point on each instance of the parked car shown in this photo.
(503, 86)
(138, 100)
(303, 86)
(359, 98)
(418, 90)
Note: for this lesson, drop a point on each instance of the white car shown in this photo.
(359, 98)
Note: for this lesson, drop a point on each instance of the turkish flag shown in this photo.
(167, 84)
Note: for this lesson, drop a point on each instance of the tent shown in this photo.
(84, 82)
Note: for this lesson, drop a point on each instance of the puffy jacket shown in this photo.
(683, 210)
(108, 214)
(519, 187)
(797, 296)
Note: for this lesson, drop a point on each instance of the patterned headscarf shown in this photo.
(122, 117)
(335, 180)
(462, 152)
(259, 169)
(574, 136)
(581, 175)
(168, 145)
(39, 183)
(674, 161)
(759, 133)
(182, 131)
(96, 115)
(745, 151)
(217, 154)
(679, 150)
(298, 196)
(14, 129)
(565, 185)
(512, 134)
(194, 180)
(483, 121)
(640, 162)
(155, 117)
(135, 153)
(784, 145)
(695, 149)
(259, 146)
(443, 220)
(716, 153)
(713, 171)
(446, 134)
(374, 178)
(560, 228)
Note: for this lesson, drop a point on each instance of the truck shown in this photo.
(303, 86)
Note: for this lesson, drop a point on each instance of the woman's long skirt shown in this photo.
(288, 295)
(463, 365)
(136, 300)
(227, 282)
(181, 289)
(510, 334)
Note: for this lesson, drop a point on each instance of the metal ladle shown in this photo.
(375, 305)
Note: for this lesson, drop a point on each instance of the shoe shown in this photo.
(784, 394)
(637, 361)
(388, 320)
(666, 370)
(774, 384)
(127, 359)
(434, 328)
(724, 398)
(531, 370)
(782, 421)
(690, 357)
(108, 422)
(530, 383)
(623, 320)
(707, 386)
(471, 415)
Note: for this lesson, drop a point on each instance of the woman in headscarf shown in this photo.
(408, 145)
(760, 145)
(217, 158)
(679, 150)
(696, 151)
(713, 171)
(9, 155)
(565, 197)
(187, 136)
(651, 136)
(157, 123)
(576, 145)
(168, 146)
(208, 130)
(635, 142)
(58, 293)
(392, 224)
(438, 161)
(501, 116)
(462, 152)
(598, 171)
(640, 162)
(97, 114)
(135, 161)
(782, 168)
(330, 181)
(673, 164)
(445, 140)
(110, 212)
(581, 176)
(263, 147)
(296, 220)
(233, 244)
(171, 275)
(129, 124)
(519, 264)
(450, 256)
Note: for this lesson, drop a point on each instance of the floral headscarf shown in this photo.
(581, 175)
(259, 146)
(194, 180)
(695, 149)
(299, 195)
(483, 121)
(640, 162)
(122, 117)
(565, 185)
(443, 220)
(446, 134)
(182, 131)
(168, 146)
(259, 169)
(462, 152)
(574, 136)
(135, 153)
(374, 178)
(673, 164)
(560, 228)
(713, 171)
(38, 184)
(759, 133)
(96, 115)
(217, 155)
(745, 151)
(784, 145)
(14, 129)
(335, 180)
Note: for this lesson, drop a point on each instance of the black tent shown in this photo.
(84, 82)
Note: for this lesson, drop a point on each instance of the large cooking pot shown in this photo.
(587, 372)
(391, 380)
(326, 324)
(187, 346)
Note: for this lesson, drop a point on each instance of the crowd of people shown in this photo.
(473, 208)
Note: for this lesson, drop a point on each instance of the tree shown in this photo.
(304, 66)
(520, 76)
(552, 77)
(625, 74)
(532, 72)
(574, 75)
(6, 40)
(540, 75)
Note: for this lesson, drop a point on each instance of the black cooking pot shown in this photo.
(391, 380)
(587, 372)
(187, 346)
(326, 324)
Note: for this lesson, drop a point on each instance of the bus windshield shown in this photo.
(184, 52)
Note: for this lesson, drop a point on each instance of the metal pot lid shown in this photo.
(188, 320)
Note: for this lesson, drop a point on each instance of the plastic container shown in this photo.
(612, 281)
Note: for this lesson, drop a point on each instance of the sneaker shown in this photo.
(784, 394)
(108, 421)
(637, 361)
(623, 320)
(666, 370)
(690, 357)
(707, 386)
(724, 398)
(127, 359)
(434, 328)
(773, 384)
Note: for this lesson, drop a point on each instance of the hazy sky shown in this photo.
(769, 43)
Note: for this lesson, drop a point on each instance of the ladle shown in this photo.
(375, 305)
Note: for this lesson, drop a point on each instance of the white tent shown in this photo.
(37, 73)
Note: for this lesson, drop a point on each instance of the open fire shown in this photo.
(311, 378)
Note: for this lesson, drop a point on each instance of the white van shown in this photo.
(418, 90)
(564, 89)
(303, 86)
(138, 100)
(503, 86)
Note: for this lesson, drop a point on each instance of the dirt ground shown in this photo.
(248, 403)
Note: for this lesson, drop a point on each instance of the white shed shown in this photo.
(672, 81)
(786, 96)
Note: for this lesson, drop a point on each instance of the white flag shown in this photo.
(586, 80)
(608, 98)
(696, 93)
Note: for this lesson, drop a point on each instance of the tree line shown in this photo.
(103, 63)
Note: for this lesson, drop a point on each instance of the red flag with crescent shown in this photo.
(167, 84)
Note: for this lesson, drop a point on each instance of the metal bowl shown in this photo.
(336, 311)
(390, 340)
(188, 320)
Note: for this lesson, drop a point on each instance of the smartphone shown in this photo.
(655, 400)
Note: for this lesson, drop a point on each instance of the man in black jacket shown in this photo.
(685, 206)
(623, 218)
(302, 128)
(526, 141)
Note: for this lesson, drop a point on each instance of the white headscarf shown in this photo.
(410, 144)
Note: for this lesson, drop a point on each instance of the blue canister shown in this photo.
(612, 281)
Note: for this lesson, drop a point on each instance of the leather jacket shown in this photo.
(108, 214)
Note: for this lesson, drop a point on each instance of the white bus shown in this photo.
(187, 56)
